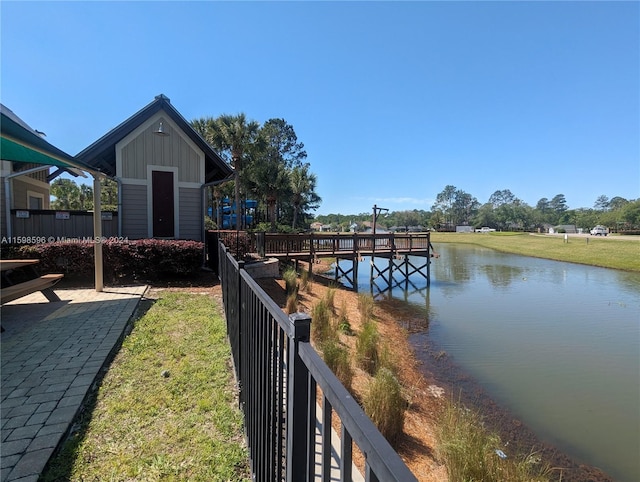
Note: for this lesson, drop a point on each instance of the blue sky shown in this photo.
(393, 100)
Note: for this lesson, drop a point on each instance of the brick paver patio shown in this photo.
(51, 356)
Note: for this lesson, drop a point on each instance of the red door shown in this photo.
(162, 204)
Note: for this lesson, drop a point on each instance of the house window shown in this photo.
(35, 200)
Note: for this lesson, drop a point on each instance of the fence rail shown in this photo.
(280, 376)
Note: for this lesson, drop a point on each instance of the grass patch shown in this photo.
(166, 409)
(472, 453)
(608, 253)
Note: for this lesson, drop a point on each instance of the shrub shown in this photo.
(144, 258)
(367, 347)
(336, 356)
(385, 405)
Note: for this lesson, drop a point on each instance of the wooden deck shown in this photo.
(408, 254)
(343, 246)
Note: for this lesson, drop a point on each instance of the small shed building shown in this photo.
(162, 166)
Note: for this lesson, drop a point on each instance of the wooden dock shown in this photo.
(353, 247)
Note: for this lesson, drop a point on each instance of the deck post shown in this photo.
(356, 262)
(429, 258)
(406, 272)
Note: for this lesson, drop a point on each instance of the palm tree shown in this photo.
(232, 136)
(303, 185)
(109, 194)
(85, 197)
(269, 179)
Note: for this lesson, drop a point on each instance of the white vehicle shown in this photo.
(599, 231)
(485, 229)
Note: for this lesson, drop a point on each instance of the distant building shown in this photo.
(563, 228)
(320, 227)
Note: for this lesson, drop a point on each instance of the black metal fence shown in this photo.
(281, 377)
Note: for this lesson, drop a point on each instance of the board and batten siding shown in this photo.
(139, 154)
(22, 186)
(191, 213)
(134, 211)
(175, 150)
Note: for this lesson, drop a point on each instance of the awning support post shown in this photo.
(97, 234)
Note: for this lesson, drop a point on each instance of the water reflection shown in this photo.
(556, 343)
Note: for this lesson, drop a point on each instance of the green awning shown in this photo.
(20, 143)
(11, 150)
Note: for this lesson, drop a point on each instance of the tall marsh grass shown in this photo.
(336, 356)
(292, 303)
(385, 405)
(365, 306)
(321, 328)
(290, 278)
(367, 347)
(343, 320)
(330, 297)
(473, 453)
(305, 278)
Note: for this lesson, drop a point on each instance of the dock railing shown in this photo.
(340, 244)
(280, 376)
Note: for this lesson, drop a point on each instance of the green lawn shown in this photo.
(620, 253)
(166, 409)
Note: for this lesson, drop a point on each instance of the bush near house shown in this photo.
(145, 259)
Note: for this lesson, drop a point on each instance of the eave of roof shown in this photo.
(21, 143)
(102, 152)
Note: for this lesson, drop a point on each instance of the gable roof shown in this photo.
(102, 153)
(21, 143)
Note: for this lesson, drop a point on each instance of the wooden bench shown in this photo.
(43, 283)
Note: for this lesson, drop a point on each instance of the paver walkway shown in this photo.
(51, 356)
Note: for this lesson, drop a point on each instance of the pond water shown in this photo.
(557, 344)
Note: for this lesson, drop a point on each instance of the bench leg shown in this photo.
(50, 295)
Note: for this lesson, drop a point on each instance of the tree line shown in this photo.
(269, 166)
(503, 211)
(70, 196)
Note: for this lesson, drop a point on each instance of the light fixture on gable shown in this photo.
(160, 131)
